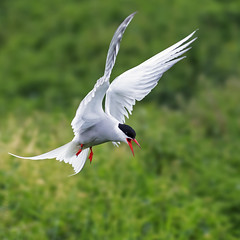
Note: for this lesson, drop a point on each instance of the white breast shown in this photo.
(104, 129)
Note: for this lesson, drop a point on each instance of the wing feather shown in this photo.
(115, 45)
(91, 106)
(134, 84)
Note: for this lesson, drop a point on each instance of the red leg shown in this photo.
(79, 151)
(91, 155)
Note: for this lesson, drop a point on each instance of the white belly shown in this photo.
(103, 130)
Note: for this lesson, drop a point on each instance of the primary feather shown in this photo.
(137, 82)
(84, 115)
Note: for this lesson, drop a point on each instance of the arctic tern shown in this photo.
(91, 124)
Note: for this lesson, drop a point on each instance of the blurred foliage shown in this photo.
(51, 53)
(183, 184)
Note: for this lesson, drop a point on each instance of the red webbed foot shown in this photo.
(80, 150)
(90, 155)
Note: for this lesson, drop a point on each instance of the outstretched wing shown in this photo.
(91, 106)
(137, 82)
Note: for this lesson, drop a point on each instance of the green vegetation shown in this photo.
(185, 182)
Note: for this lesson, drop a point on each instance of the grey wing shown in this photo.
(91, 106)
(115, 45)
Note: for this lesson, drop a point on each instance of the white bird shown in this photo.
(91, 124)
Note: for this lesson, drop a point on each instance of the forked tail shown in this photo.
(66, 153)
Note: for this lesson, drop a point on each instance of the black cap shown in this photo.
(127, 130)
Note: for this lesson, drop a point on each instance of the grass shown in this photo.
(183, 184)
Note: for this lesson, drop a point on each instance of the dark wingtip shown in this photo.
(134, 13)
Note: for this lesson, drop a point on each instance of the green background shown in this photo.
(183, 184)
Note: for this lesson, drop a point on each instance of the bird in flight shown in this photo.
(93, 125)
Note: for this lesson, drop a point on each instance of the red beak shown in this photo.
(129, 141)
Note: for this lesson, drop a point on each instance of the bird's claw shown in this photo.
(90, 155)
(80, 150)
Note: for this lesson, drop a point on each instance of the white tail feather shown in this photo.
(66, 153)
